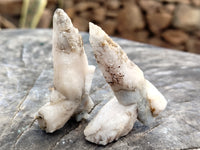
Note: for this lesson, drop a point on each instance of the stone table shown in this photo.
(26, 76)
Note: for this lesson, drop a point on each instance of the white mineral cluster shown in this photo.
(72, 77)
(136, 96)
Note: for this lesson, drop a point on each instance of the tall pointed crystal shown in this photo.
(72, 77)
(128, 84)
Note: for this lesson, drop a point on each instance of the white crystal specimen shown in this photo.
(129, 86)
(72, 77)
(112, 121)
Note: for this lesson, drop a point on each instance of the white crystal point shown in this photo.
(112, 122)
(61, 21)
(118, 70)
(70, 61)
(65, 36)
(125, 78)
(131, 89)
(72, 76)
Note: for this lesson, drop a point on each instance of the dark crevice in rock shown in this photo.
(192, 148)
(24, 98)
(20, 135)
(95, 105)
(19, 105)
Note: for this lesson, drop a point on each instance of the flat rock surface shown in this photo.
(26, 76)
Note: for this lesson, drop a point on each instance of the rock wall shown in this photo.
(166, 23)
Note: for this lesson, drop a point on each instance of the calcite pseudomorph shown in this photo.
(72, 77)
(137, 97)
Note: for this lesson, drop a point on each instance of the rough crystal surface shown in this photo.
(26, 74)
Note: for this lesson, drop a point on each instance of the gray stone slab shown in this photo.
(26, 75)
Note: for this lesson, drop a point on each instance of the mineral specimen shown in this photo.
(72, 77)
(136, 96)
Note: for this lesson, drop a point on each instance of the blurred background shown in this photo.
(167, 23)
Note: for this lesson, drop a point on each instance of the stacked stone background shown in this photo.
(167, 23)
